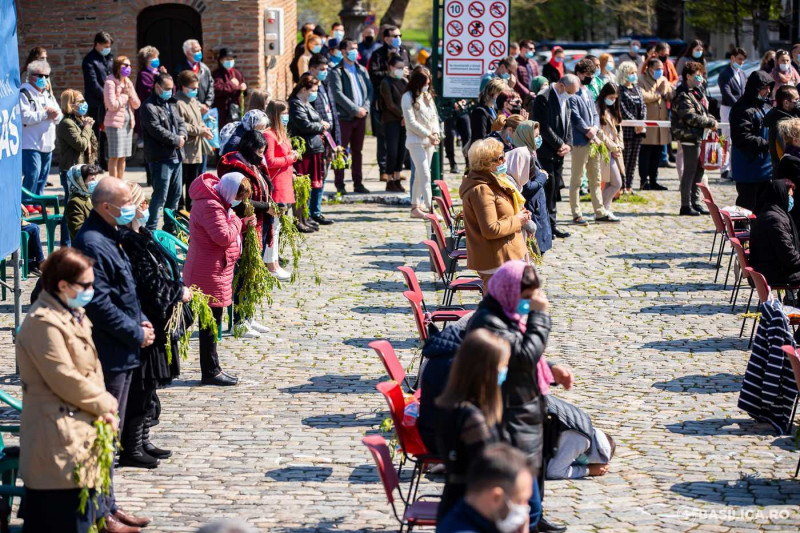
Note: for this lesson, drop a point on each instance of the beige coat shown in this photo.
(196, 146)
(611, 136)
(656, 103)
(63, 393)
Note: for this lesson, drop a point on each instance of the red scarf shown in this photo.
(555, 64)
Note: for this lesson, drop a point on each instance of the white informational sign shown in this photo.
(475, 39)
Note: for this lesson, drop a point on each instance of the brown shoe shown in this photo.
(113, 525)
(390, 186)
(384, 177)
(399, 186)
(131, 520)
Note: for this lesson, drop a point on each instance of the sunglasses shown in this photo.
(502, 157)
(45, 76)
(84, 286)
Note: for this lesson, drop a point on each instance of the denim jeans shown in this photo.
(35, 253)
(315, 200)
(166, 191)
(35, 168)
(65, 240)
(536, 505)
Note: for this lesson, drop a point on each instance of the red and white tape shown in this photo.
(654, 123)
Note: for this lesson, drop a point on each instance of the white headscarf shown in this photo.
(518, 163)
(228, 186)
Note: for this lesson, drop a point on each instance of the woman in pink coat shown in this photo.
(121, 100)
(215, 244)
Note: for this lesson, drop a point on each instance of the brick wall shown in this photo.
(66, 29)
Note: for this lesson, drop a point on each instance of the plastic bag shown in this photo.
(713, 151)
(211, 120)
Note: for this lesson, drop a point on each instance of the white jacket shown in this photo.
(421, 118)
(38, 131)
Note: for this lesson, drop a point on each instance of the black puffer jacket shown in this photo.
(690, 115)
(564, 416)
(776, 144)
(523, 411)
(774, 241)
(747, 116)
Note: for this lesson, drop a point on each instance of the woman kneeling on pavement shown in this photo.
(64, 394)
(215, 245)
(515, 309)
(159, 289)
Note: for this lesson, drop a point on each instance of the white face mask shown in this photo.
(516, 517)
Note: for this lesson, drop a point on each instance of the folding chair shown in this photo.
(730, 232)
(794, 360)
(176, 248)
(392, 364)
(450, 251)
(408, 438)
(49, 220)
(9, 465)
(743, 260)
(451, 285)
(415, 513)
(719, 230)
(455, 226)
(447, 198)
(440, 314)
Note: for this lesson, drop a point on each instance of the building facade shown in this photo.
(67, 28)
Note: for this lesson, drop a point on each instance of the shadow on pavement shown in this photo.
(352, 420)
(719, 344)
(720, 426)
(700, 384)
(745, 491)
(301, 473)
(334, 383)
(691, 309)
(655, 256)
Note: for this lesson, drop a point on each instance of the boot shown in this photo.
(398, 182)
(390, 186)
(133, 453)
(385, 177)
(150, 448)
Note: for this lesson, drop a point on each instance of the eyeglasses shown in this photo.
(84, 286)
(45, 76)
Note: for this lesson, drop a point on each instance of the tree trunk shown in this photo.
(668, 19)
(395, 13)
(736, 22)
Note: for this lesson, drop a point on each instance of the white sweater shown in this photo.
(421, 118)
(38, 131)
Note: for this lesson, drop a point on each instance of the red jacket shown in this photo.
(225, 93)
(279, 162)
(232, 162)
(214, 243)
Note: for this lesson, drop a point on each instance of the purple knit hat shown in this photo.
(505, 287)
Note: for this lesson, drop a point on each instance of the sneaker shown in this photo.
(281, 274)
(311, 224)
(250, 333)
(645, 186)
(454, 168)
(259, 327)
(608, 218)
(579, 221)
(360, 189)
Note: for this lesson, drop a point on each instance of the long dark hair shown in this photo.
(275, 109)
(307, 81)
(691, 46)
(419, 77)
(607, 90)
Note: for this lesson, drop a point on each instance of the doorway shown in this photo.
(166, 27)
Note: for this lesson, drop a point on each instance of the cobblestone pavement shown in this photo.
(655, 350)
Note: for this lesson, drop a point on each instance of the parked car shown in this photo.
(713, 79)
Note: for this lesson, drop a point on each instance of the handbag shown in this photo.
(713, 151)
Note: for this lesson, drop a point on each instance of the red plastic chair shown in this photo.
(706, 192)
(743, 258)
(719, 230)
(731, 233)
(415, 299)
(440, 314)
(390, 361)
(462, 283)
(763, 290)
(416, 513)
(452, 252)
(447, 198)
(794, 360)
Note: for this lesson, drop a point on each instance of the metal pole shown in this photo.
(16, 260)
(436, 160)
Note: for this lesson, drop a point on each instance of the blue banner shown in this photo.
(10, 131)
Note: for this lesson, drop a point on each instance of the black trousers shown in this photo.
(649, 160)
(395, 138)
(140, 403)
(378, 133)
(554, 166)
(748, 194)
(50, 511)
(188, 173)
(119, 385)
(98, 113)
(455, 124)
(209, 360)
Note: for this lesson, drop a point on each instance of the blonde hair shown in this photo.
(483, 154)
(624, 70)
(137, 193)
(493, 88)
(503, 121)
(789, 129)
(310, 38)
(258, 99)
(604, 59)
(69, 101)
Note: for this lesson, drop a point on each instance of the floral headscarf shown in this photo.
(253, 118)
(75, 182)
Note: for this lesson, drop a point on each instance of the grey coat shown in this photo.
(342, 90)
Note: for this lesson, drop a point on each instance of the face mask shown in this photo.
(737, 66)
(765, 98)
(505, 75)
(697, 54)
(198, 56)
(92, 185)
(316, 49)
(609, 102)
(791, 203)
(155, 63)
(529, 54)
(502, 374)
(501, 168)
(83, 108)
(559, 59)
(632, 78)
(698, 79)
(610, 68)
(191, 93)
(81, 299)
(663, 58)
(508, 138)
(229, 63)
(784, 67)
(105, 51)
(635, 49)
(143, 217)
(538, 142)
(398, 73)
(126, 214)
(516, 517)
(312, 97)
(396, 42)
(284, 119)
(440, 50)
(338, 35)
(524, 306)
(587, 80)
(597, 72)
(368, 40)
(336, 59)
(352, 55)
(165, 95)
(426, 88)
(235, 203)
(125, 72)
(322, 75)
(658, 73)
(41, 82)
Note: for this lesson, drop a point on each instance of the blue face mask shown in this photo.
(41, 82)
(352, 55)
(322, 75)
(505, 75)
(83, 108)
(396, 42)
(143, 217)
(658, 73)
(501, 168)
(235, 203)
(165, 95)
(538, 142)
(198, 56)
(284, 119)
(736, 66)
(312, 97)
(698, 79)
(559, 59)
(502, 374)
(523, 306)
(609, 102)
(440, 50)
(105, 51)
(597, 72)
(697, 54)
(529, 54)
(632, 78)
(316, 49)
(126, 214)
(155, 63)
(192, 93)
(228, 64)
(81, 299)
(92, 185)
(791, 203)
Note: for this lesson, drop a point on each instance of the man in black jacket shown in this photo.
(731, 85)
(96, 67)
(120, 329)
(751, 166)
(193, 61)
(552, 113)
(787, 105)
(164, 134)
(318, 67)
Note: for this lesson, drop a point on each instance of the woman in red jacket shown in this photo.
(280, 158)
(214, 247)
